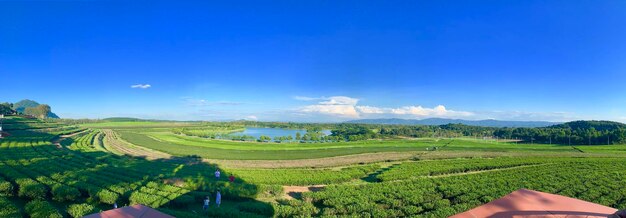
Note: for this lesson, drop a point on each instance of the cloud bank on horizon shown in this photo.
(345, 108)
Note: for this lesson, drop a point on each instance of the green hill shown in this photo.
(23, 105)
(122, 119)
(599, 125)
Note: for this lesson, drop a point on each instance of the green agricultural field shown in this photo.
(234, 150)
(52, 169)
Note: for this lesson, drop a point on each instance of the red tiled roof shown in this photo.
(130, 212)
(529, 203)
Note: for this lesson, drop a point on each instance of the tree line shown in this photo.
(574, 133)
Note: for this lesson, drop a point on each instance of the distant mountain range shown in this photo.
(443, 121)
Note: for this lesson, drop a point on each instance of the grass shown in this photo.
(135, 124)
(382, 188)
(235, 150)
(249, 154)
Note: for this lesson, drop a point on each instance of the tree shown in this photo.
(298, 136)
(41, 111)
(6, 108)
(265, 138)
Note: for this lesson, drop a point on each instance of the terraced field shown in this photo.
(232, 150)
(95, 166)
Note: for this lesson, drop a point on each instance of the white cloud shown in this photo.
(415, 111)
(140, 86)
(252, 117)
(370, 110)
(337, 110)
(343, 106)
(340, 100)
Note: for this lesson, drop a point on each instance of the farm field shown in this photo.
(168, 142)
(59, 170)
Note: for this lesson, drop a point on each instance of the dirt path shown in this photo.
(486, 171)
(318, 162)
(117, 145)
(57, 141)
(295, 192)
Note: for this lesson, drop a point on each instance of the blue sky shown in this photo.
(317, 60)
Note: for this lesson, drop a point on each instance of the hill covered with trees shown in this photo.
(28, 107)
(575, 133)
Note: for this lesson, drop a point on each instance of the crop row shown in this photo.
(409, 170)
(303, 176)
(45, 169)
(592, 179)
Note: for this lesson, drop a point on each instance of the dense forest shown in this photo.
(575, 133)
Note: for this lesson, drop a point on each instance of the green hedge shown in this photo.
(65, 193)
(41, 209)
(6, 188)
(8, 209)
(31, 189)
(80, 210)
(107, 197)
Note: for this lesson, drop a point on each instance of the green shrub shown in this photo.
(31, 189)
(80, 210)
(295, 208)
(64, 193)
(8, 209)
(6, 188)
(149, 200)
(270, 190)
(41, 209)
(107, 197)
(256, 208)
(184, 200)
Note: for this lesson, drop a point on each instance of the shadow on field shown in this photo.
(176, 185)
(372, 177)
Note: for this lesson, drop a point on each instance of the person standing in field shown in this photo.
(205, 206)
(231, 178)
(218, 198)
(217, 174)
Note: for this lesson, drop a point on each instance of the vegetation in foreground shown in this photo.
(81, 175)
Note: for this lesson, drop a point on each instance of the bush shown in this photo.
(41, 209)
(8, 209)
(31, 189)
(184, 200)
(270, 190)
(6, 188)
(149, 200)
(80, 210)
(107, 197)
(64, 193)
(256, 208)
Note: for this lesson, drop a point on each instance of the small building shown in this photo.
(529, 203)
(134, 211)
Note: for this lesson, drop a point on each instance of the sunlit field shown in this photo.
(69, 170)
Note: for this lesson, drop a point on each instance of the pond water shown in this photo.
(273, 132)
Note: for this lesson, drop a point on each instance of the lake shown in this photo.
(273, 132)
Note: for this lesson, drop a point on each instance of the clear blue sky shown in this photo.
(317, 60)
